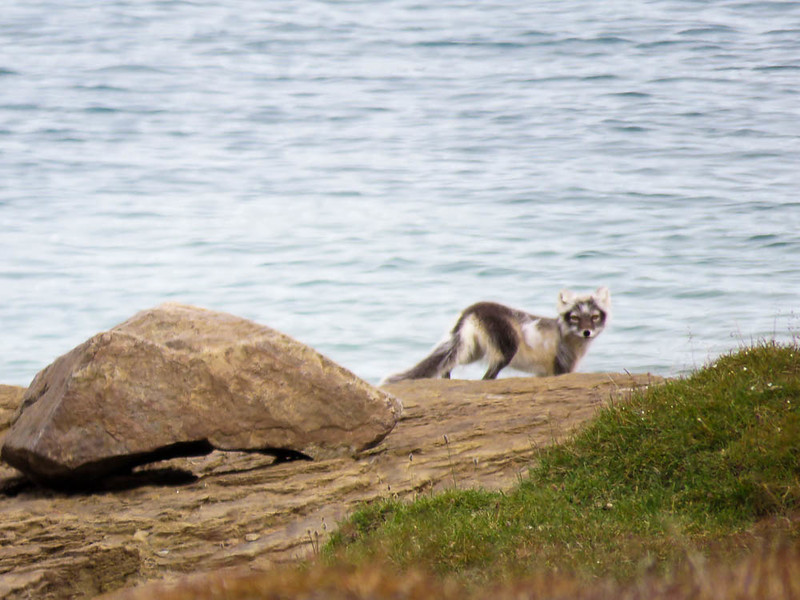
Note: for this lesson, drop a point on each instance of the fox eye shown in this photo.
(595, 318)
(574, 319)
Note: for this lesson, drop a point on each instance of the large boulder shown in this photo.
(180, 380)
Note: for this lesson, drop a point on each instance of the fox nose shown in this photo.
(587, 333)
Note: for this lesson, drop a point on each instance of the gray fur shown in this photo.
(506, 336)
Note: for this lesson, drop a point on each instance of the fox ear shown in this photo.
(565, 300)
(603, 297)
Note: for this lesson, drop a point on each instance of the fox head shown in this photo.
(584, 316)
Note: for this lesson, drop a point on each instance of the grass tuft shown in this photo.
(677, 470)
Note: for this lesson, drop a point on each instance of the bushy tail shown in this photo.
(439, 362)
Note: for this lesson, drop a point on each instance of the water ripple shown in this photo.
(319, 166)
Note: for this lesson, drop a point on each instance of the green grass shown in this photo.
(682, 467)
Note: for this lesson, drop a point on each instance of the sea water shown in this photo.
(354, 173)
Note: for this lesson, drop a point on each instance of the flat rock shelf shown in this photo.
(231, 509)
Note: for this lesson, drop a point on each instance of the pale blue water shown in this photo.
(355, 173)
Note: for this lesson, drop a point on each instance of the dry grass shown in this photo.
(772, 573)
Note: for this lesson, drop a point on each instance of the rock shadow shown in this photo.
(121, 474)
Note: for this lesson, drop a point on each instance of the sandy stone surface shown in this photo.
(10, 399)
(231, 509)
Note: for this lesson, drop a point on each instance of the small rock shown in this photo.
(140, 536)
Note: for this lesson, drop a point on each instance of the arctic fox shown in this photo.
(506, 336)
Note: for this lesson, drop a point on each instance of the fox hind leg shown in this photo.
(494, 369)
(506, 343)
(498, 365)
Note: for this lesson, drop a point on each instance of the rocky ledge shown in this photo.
(232, 509)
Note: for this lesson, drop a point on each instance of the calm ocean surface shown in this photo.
(355, 173)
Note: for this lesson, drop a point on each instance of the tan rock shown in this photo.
(181, 381)
(10, 400)
(494, 431)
